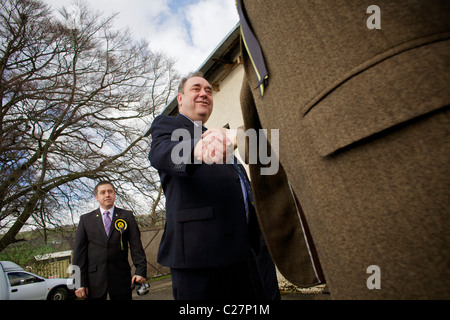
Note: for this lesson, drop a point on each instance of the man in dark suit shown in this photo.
(101, 249)
(211, 238)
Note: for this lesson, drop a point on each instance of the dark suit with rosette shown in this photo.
(102, 259)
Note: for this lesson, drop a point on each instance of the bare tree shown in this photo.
(77, 97)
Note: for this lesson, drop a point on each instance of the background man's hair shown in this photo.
(102, 183)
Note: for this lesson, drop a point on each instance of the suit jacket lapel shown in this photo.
(188, 123)
(99, 221)
(101, 225)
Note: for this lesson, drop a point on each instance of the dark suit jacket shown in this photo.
(101, 259)
(364, 142)
(205, 214)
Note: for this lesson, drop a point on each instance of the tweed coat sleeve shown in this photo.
(278, 214)
(364, 124)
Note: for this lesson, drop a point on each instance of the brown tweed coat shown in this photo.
(364, 142)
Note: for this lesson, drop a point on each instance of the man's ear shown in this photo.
(180, 99)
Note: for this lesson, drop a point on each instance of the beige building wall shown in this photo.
(227, 107)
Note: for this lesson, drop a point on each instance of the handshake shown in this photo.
(216, 146)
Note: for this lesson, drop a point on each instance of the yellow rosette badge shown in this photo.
(121, 226)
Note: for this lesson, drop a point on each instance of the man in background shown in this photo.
(101, 249)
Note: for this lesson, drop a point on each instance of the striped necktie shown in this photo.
(107, 222)
(240, 170)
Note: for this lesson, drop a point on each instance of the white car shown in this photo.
(18, 284)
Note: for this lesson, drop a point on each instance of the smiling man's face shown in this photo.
(196, 101)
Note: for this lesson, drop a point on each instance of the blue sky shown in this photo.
(177, 4)
(186, 30)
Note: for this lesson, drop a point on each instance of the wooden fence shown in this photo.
(52, 268)
(151, 238)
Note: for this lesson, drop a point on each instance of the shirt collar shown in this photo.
(194, 122)
(111, 211)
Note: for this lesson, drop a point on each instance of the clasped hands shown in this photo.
(216, 146)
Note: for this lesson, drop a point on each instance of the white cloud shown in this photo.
(186, 30)
(210, 21)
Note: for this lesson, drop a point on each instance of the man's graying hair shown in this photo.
(190, 75)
